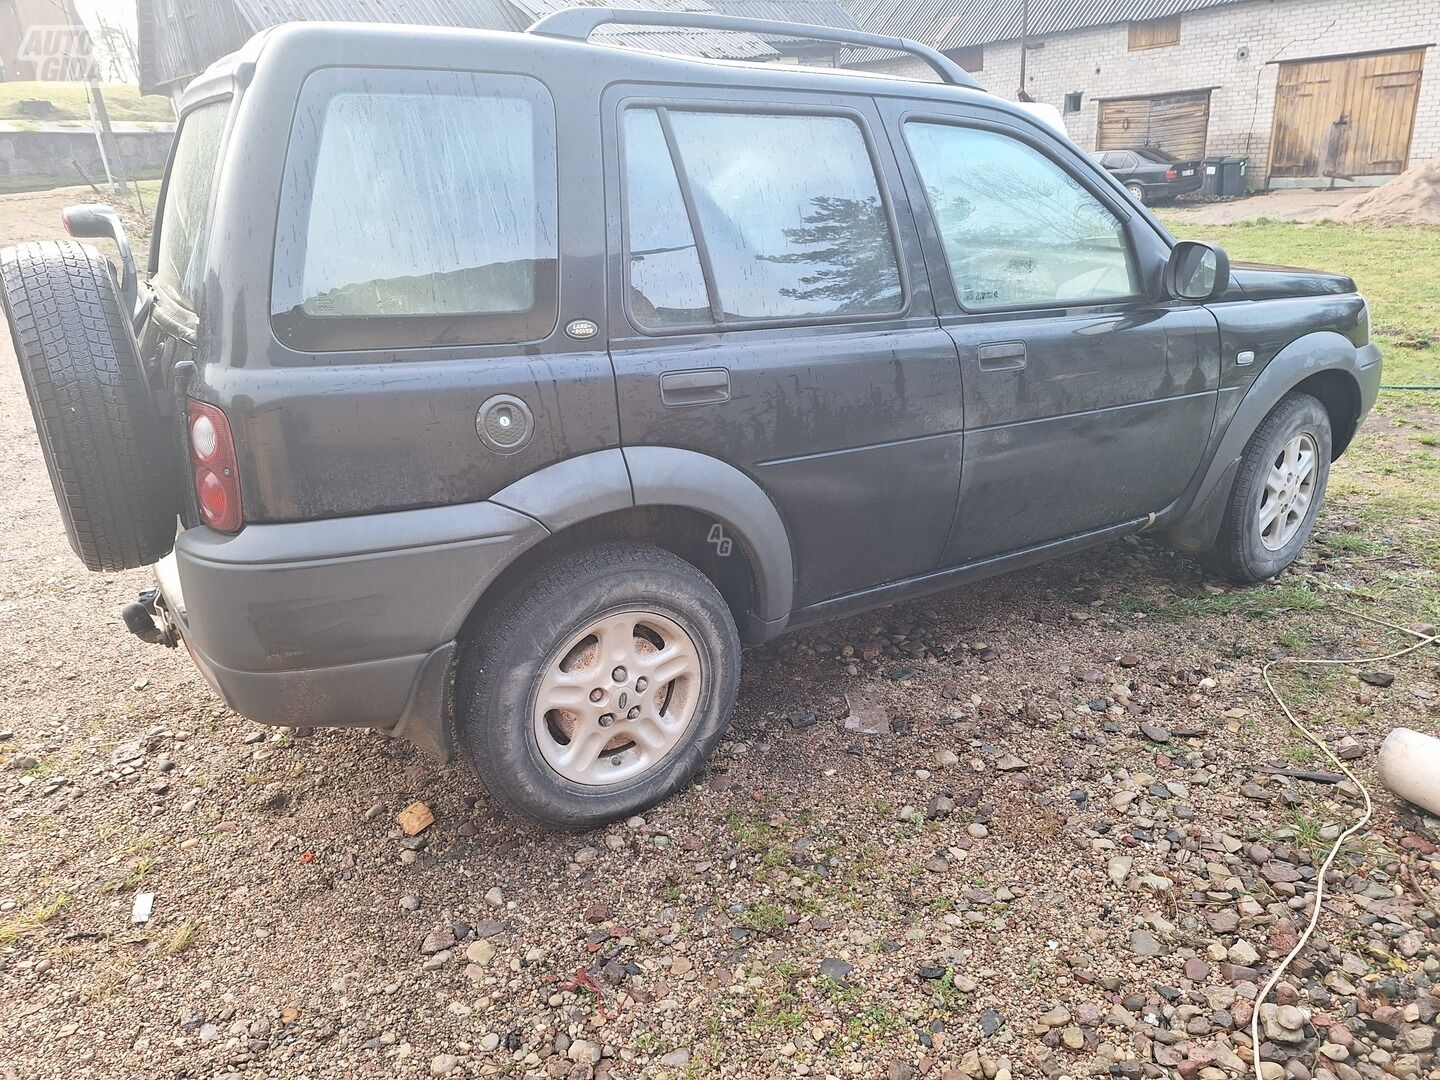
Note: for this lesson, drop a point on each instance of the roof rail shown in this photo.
(578, 23)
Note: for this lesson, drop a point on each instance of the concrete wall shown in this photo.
(33, 159)
(1242, 107)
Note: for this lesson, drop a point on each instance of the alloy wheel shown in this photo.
(1285, 498)
(617, 698)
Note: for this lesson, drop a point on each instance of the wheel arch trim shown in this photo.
(578, 489)
(1313, 354)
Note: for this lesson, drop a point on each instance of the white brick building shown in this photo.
(1310, 91)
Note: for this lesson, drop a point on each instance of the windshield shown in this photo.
(187, 196)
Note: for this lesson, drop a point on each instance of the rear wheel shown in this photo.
(1138, 191)
(599, 685)
(1277, 492)
(102, 441)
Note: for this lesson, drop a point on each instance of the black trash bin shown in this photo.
(1232, 175)
(1212, 176)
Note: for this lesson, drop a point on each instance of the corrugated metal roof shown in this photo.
(684, 42)
(180, 38)
(477, 14)
(958, 24)
(814, 12)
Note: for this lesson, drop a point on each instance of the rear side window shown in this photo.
(185, 217)
(418, 209)
(1017, 229)
(792, 225)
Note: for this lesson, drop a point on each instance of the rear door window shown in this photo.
(189, 191)
(792, 222)
(419, 208)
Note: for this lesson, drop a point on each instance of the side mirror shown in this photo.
(96, 221)
(1196, 272)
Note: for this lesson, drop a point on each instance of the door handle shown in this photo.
(1002, 356)
(701, 386)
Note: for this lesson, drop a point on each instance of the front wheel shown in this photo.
(599, 685)
(1277, 492)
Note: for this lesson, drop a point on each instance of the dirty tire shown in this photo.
(102, 441)
(1239, 552)
(503, 667)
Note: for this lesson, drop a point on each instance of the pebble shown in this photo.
(1118, 868)
(1242, 952)
(1144, 943)
(584, 1052)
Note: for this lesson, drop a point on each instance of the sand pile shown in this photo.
(1412, 198)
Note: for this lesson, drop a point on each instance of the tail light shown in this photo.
(217, 475)
(1171, 174)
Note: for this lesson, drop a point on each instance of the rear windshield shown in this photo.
(187, 200)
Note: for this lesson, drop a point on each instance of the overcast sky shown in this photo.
(117, 11)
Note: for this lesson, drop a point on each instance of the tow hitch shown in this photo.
(140, 619)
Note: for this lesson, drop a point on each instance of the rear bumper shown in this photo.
(1169, 189)
(348, 622)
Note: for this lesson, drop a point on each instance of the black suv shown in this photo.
(504, 384)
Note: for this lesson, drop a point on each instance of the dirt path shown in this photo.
(1284, 204)
(1064, 857)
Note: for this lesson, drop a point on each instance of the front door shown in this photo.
(769, 308)
(1087, 403)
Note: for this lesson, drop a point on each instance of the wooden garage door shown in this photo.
(1175, 123)
(1349, 116)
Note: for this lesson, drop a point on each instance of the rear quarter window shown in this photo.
(187, 202)
(418, 208)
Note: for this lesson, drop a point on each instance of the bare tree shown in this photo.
(116, 51)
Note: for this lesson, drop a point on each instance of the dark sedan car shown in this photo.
(1151, 175)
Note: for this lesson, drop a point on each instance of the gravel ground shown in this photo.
(1063, 852)
(1282, 204)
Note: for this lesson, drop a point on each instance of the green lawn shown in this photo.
(1398, 270)
(122, 102)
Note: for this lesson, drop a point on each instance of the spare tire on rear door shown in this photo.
(98, 426)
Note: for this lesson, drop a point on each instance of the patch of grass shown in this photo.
(1301, 753)
(873, 1023)
(38, 915)
(1292, 639)
(139, 870)
(763, 918)
(1352, 542)
(181, 939)
(1255, 603)
(68, 101)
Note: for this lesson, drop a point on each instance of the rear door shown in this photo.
(1087, 401)
(769, 307)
